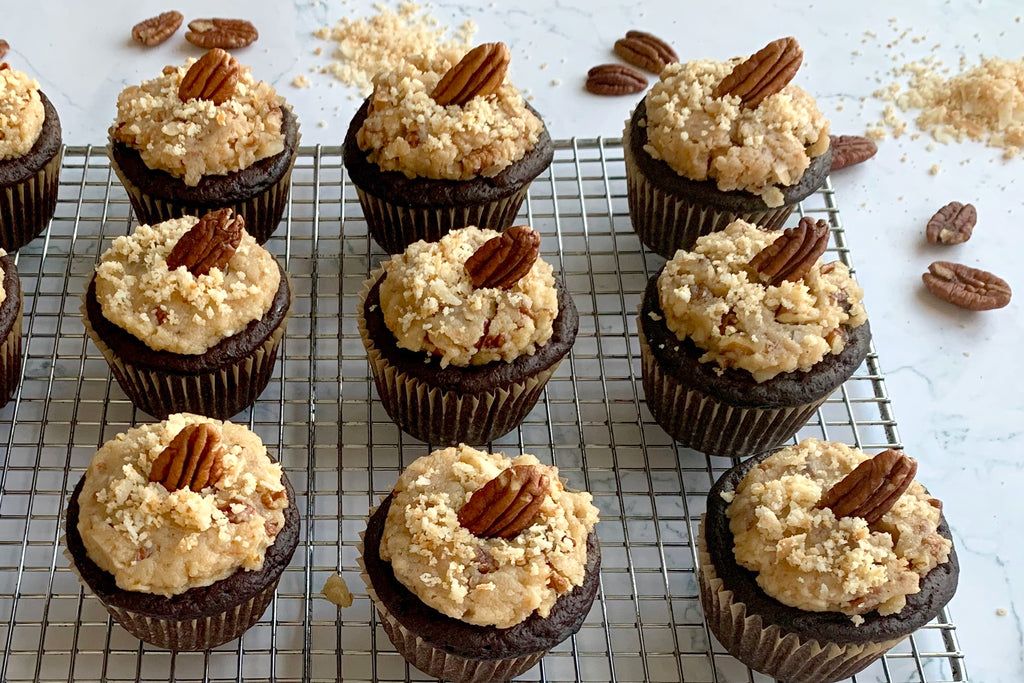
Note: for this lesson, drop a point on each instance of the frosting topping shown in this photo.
(21, 113)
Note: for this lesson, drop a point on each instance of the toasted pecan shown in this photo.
(191, 461)
(506, 505)
(479, 74)
(209, 244)
(763, 74)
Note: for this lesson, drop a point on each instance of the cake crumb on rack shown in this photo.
(336, 590)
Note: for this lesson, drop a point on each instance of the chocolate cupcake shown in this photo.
(706, 146)
(189, 314)
(463, 334)
(205, 136)
(431, 150)
(10, 328)
(508, 567)
(807, 577)
(182, 529)
(30, 155)
(739, 346)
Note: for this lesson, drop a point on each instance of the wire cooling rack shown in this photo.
(321, 416)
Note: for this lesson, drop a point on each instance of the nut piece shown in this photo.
(615, 79)
(4, 47)
(156, 30)
(966, 287)
(212, 78)
(848, 150)
(764, 73)
(646, 51)
(226, 33)
(792, 254)
(209, 244)
(507, 504)
(191, 461)
(870, 490)
(952, 224)
(479, 74)
(501, 261)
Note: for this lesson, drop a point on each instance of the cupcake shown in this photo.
(189, 314)
(713, 142)
(438, 147)
(30, 155)
(10, 328)
(182, 529)
(817, 559)
(463, 334)
(479, 564)
(203, 136)
(744, 337)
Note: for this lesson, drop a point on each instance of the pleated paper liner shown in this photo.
(10, 357)
(666, 222)
(769, 649)
(262, 213)
(219, 393)
(27, 207)
(394, 227)
(443, 417)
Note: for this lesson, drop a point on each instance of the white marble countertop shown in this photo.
(949, 372)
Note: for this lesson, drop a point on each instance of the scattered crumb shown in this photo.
(318, 51)
(967, 354)
(336, 590)
(322, 123)
(301, 81)
(544, 65)
(556, 81)
(1002, 611)
(934, 170)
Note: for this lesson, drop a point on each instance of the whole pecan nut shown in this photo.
(209, 244)
(645, 50)
(191, 461)
(506, 505)
(4, 47)
(213, 78)
(501, 261)
(848, 150)
(870, 490)
(615, 79)
(224, 33)
(966, 287)
(763, 74)
(155, 30)
(479, 74)
(793, 253)
(952, 224)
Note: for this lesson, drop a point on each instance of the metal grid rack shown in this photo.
(341, 451)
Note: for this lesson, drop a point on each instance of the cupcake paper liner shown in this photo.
(394, 227)
(10, 357)
(27, 207)
(435, 661)
(219, 393)
(769, 649)
(443, 417)
(262, 213)
(702, 422)
(666, 223)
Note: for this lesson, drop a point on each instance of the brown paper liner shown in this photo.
(435, 661)
(262, 213)
(700, 421)
(395, 227)
(220, 393)
(10, 356)
(27, 207)
(444, 417)
(769, 649)
(666, 222)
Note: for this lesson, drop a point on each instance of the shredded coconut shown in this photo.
(21, 113)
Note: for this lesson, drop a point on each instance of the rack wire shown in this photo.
(321, 416)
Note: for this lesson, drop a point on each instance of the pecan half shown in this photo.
(209, 244)
(479, 74)
(848, 150)
(191, 461)
(506, 505)
(646, 51)
(764, 73)
(155, 30)
(4, 47)
(966, 287)
(870, 490)
(952, 224)
(792, 254)
(226, 33)
(615, 79)
(501, 261)
(212, 78)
